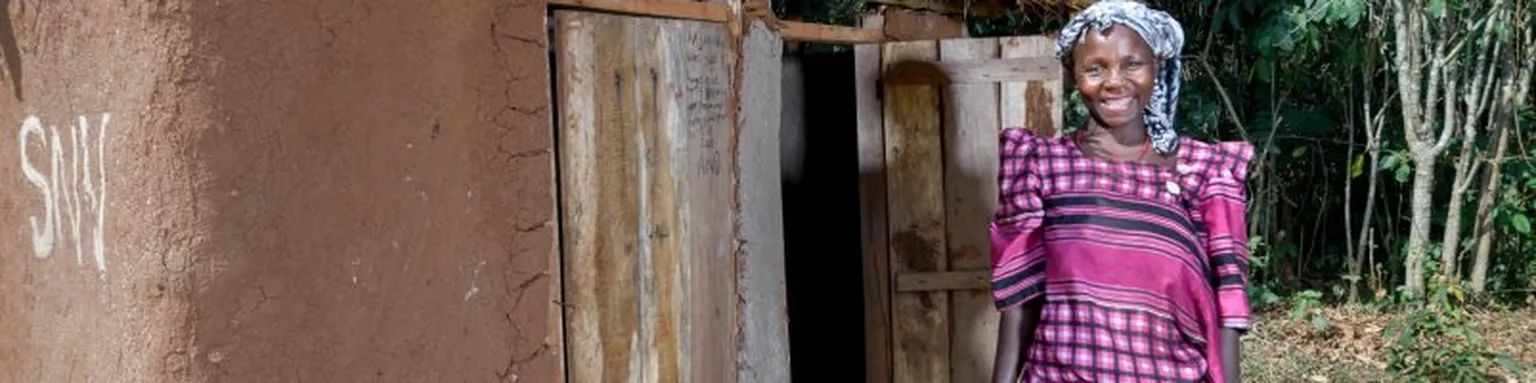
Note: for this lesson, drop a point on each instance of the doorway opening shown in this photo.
(822, 248)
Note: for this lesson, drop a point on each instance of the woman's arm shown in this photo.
(1015, 334)
(1231, 353)
(1224, 199)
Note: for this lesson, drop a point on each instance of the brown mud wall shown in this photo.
(65, 314)
(287, 191)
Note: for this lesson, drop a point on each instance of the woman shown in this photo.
(1119, 251)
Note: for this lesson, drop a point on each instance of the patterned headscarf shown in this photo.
(1166, 38)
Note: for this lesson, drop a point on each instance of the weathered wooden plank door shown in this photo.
(647, 193)
(927, 205)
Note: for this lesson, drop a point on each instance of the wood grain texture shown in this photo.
(598, 338)
(575, 90)
(867, 67)
(970, 194)
(986, 8)
(940, 191)
(646, 206)
(912, 25)
(944, 281)
(824, 33)
(677, 9)
(1037, 103)
(973, 71)
(701, 79)
(915, 187)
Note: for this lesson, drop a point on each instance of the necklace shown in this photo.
(1146, 143)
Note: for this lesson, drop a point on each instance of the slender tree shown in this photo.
(1515, 91)
(1475, 96)
(1430, 67)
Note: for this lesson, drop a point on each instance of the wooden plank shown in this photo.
(985, 8)
(662, 303)
(1034, 9)
(698, 116)
(764, 351)
(872, 204)
(676, 9)
(599, 217)
(825, 33)
(916, 219)
(636, 97)
(977, 71)
(912, 25)
(647, 207)
(1034, 103)
(944, 281)
(577, 160)
(555, 337)
(970, 194)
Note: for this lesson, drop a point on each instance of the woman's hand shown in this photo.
(1231, 355)
(1015, 333)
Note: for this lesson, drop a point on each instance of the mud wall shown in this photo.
(277, 191)
(97, 199)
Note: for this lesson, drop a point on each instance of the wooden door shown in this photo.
(647, 194)
(929, 118)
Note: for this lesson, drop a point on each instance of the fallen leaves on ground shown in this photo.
(1348, 346)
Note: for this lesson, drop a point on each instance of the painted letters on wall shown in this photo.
(72, 186)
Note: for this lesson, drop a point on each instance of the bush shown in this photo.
(1440, 343)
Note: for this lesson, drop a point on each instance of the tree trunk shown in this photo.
(1478, 96)
(1408, 23)
(1453, 214)
(1418, 230)
(1451, 241)
(1362, 244)
(1349, 200)
(1514, 93)
(1484, 228)
(1373, 149)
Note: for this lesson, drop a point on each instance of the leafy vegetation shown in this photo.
(1440, 342)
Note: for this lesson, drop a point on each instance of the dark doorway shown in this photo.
(821, 217)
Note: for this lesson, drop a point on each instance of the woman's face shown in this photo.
(1114, 73)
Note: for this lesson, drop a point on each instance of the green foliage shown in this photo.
(1520, 223)
(1441, 343)
(1339, 12)
(1305, 306)
(1262, 292)
(1513, 217)
(1014, 24)
(1400, 164)
(839, 12)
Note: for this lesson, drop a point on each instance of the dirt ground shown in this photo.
(1351, 348)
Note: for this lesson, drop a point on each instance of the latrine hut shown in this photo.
(736, 201)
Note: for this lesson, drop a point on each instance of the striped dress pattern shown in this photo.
(1139, 266)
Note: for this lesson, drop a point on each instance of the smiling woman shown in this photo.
(1114, 72)
(1119, 252)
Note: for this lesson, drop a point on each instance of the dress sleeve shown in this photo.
(1018, 251)
(1223, 203)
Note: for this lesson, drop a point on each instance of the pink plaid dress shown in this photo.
(1140, 266)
